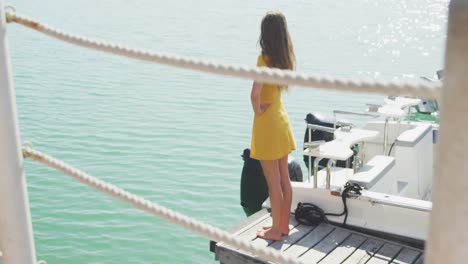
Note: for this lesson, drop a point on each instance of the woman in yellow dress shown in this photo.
(272, 137)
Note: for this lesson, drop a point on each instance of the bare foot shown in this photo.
(284, 231)
(269, 234)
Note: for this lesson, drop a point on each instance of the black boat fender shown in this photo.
(253, 186)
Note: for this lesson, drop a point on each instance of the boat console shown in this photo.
(373, 169)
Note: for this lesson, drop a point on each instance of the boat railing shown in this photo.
(321, 128)
(314, 144)
(316, 165)
(330, 163)
(350, 113)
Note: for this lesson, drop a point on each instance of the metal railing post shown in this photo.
(329, 165)
(16, 236)
(316, 164)
(448, 234)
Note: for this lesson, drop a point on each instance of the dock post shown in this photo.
(16, 236)
(448, 235)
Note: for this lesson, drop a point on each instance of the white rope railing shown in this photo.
(420, 89)
(157, 210)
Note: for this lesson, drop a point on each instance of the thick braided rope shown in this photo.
(157, 210)
(420, 89)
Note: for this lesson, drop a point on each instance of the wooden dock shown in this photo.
(323, 243)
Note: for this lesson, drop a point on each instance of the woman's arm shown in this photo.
(255, 98)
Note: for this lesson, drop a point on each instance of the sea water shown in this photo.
(175, 136)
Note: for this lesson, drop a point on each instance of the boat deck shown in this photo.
(324, 243)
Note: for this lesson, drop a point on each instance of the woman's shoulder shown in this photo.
(262, 60)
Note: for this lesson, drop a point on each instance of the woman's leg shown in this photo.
(286, 191)
(272, 175)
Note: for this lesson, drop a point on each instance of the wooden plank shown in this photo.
(344, 250)
(294, 235)
(420, 260)
(248, 233)
(235, 256)
(249, 221)
(232, 256)
(406, 256)
(227, 254)
(310, 240)
(265, 242)
(254, 224)
(364, 252)
(241, 226)
(327, 245)
(324, 243)
(385, 254)
(251, 233)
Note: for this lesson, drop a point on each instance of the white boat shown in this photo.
(391, 159)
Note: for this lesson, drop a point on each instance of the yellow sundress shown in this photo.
(272, 136)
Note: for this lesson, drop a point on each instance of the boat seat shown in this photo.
(338, 177)
(373, 171)
(414, 134)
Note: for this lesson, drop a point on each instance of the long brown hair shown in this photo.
(276, 43)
